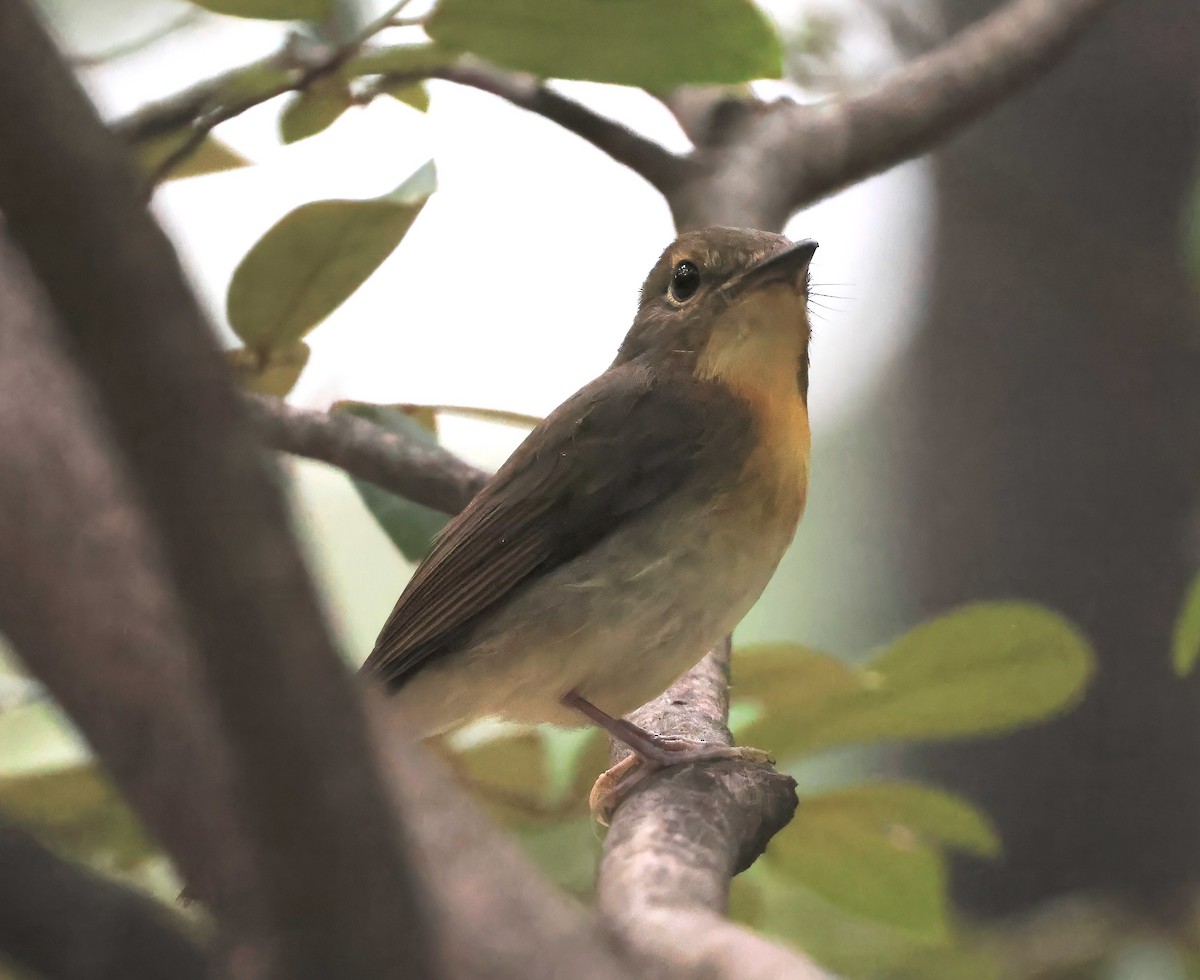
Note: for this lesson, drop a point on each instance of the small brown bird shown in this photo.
(636, 525)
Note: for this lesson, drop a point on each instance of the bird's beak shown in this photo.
(789, 267)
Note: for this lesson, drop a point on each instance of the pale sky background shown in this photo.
(520, 278)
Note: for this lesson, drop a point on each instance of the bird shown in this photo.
(636, 524)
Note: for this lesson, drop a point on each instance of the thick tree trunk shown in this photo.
(1053, 426)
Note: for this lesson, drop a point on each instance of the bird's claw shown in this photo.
(613, 785)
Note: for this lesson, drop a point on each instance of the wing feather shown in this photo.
(618, 446)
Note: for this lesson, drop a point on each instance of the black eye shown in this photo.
(685, 280)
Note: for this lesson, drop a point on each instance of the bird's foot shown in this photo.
(655, 752)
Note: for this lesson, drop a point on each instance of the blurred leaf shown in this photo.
(314, 110)
(411, 526)
(17, 692)
(1191, 235)
(566, 851)
(415, 95)
(496, 415)
(403, 59)
(210, 157)
(270, 9)
(513, 764)
(933, 814)
(1185, 643)
(655, 44)
(78, 813)
(843, 854)
(274, 372)
(983, 668)
(314, 258)
(38, 737)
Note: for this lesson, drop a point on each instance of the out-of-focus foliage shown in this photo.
(315, 109)
(77, 812)
(411, 526)
(314, 258)
(982, 668)
(210, 157)
(270, 9)
(273, 371)
(657, 44)
(1185, 643)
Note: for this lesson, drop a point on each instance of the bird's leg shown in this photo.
(650, 753)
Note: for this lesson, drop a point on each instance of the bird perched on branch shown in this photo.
(635, 526)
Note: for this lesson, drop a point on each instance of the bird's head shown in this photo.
(731, 304)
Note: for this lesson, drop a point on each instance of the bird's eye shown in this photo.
(685, 280)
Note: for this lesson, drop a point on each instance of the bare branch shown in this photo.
(65, 923)
(101, 640)
(303, 763)
(816, 150)
(419, 472)
(660, 168)
(681, 835)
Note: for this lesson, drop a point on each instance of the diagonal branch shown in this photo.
(414, 470)
(302, 760)
(65, 923)
(816, 150)
(86, 630)
(659, 167)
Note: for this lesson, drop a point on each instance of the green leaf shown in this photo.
(933, 814)
(1185, 642)
(1191, 235)
(497, 415)
(789, 682)
(272, 372)
(270, 9)
(314, 258)
(415, 95)
(210, 157)
(983, 668)
(76, 811)
(845, 855)
(313, 110)
(655, 44)
(411, 526)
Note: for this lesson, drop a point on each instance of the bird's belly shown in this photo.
(619, 623)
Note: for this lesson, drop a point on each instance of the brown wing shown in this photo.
(618, 446)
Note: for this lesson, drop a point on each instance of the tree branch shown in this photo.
(66, 923)
(816, 150)
(304, 775)
(659, 167)
(414, 470)
(681, 835)
(82, 600)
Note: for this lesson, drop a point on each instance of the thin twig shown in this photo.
(661, 168)
(307, 72)
(304, 766)
(415, 470)
(816, 150)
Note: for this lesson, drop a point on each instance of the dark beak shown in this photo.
(789, 267)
